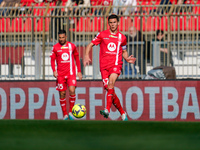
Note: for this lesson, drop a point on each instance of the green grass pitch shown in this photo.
(98, 135)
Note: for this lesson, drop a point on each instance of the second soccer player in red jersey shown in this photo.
(64, 53)
(112, 49)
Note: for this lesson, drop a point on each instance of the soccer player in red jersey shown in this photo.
(112, 49)
(64, 53)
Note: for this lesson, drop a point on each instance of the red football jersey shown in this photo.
(64, 56)
(111, 47)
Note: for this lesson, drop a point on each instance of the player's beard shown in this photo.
(62, 42)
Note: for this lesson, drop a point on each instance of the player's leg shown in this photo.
(72, 97)
(104, 74)
(110, 94)
(71, 81)
(61, 87)
(117, 104)
(116, 101)
(63, 104)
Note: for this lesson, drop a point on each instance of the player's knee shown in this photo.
(72, 92)
(62, 94)
(110, 84)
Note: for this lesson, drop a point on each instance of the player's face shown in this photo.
(113, 23)
(62, 39)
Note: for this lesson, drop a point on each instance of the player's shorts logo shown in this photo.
(65, 56)
(115, 69)
(111, 46)
(73, 81)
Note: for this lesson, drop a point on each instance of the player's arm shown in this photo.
(87, 59)
(97, 40)
(53, 66)
(129, 59)
(55, 74)
(78, 64)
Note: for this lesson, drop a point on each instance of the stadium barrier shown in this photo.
(142, 100)
(34, 28)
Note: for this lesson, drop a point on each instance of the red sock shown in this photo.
(117, 104)
(109, 98)
(72, 99)
(63, 104)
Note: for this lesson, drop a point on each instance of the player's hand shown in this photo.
(131, 59)
(55, 74)
(79, 74)
(86, 60)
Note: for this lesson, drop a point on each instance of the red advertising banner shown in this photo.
(142, 100)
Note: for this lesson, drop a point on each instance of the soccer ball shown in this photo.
(79, 111)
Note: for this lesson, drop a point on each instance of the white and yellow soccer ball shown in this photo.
(79, 111)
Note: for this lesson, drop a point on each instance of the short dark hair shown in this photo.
(113, 16)
(159, 31)
(62, 32)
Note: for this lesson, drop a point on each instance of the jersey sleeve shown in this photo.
(124, 43)
(97, 40)
(53, 58)
(53, 55)
(76, 57)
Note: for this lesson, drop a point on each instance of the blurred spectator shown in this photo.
(100, 3)
(164, 50)
(38, 1)
(47, 1)
(136, 47)
(8, 3)
(77, 6)
(1, 6)
(56, 22)
(168, 7)
(124, 7)
(11, 3)
(15, 10)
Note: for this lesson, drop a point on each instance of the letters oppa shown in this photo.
(19, 104)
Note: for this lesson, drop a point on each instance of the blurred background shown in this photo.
(159, 33)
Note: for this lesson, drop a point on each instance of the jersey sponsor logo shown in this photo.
(106, 38)
(111, 46)
(64, 47)
(112, 36)
(65, 56)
